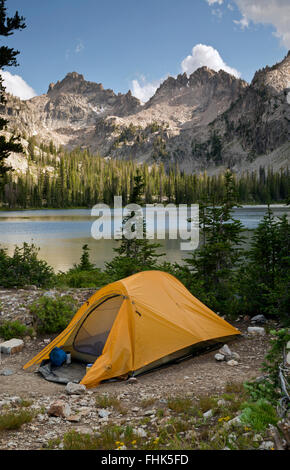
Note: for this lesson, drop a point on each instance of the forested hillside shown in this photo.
(59, 179)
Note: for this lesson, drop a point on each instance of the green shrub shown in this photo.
(52, 315)
(78, 278)
(14, 329)
(111, 437)
(23, 268)
(259, 415)
(13, 421)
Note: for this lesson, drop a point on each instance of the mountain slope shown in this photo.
(208, 120)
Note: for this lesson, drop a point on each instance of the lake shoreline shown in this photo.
(21, 209)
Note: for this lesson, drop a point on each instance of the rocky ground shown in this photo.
(141, 403)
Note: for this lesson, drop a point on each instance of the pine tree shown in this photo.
(85, 264)
(7, 59)
(211, 267)
(267, 268)
(134, 255)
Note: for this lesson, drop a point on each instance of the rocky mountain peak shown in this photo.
(275, 78)
(182, 122)
(75, 83)
(200, 85)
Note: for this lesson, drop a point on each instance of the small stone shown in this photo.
(132, 380)
(59, 409)
(104, 413)
(236, 356)
(256, 330)
(233, 422)
(74, 418)
(267, 445)
(208, 414)
(219, 357)
(225, 350)
(6, 372)
(140, 432)
(13, 346)
(75, 389)
(258, 319)
(233, 363)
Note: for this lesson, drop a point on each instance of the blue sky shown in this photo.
(131, 44)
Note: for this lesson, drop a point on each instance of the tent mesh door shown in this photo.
(94, 331)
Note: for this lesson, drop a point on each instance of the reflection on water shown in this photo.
(60, 234)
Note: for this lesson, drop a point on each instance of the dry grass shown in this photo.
(148, 402)
(206, 403)
(105, 401)
(13, 421)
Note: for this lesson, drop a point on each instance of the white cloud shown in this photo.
(15, 85)
(269, 12)
(212, 2)
(203, 55)
(243, 22)
(143, 90)
(275, 12)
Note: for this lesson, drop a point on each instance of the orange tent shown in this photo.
(136, 324)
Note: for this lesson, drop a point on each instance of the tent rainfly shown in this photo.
(136, 324)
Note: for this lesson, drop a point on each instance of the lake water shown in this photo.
(60, 234)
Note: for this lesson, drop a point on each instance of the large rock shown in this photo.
(256, 330)
(6, 372)
(59, 409)
(225, 350)
(258, 319)
(75, 389)
(13, 346)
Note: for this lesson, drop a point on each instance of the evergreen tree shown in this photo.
(7, 59)
(134, 255)
(85, 264)
(210, 269)
(266, 267)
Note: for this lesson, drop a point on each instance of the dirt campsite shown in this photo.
(144, 404)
